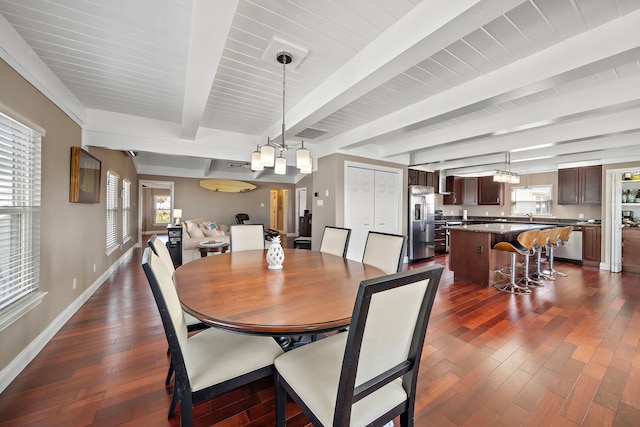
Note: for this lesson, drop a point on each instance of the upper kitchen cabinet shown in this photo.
(454, 188)
(470, 191)
(490, 192)
(418, 177)
(580, 185)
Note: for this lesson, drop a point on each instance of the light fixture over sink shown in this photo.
(506, 175)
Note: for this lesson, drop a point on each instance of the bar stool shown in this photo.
(542, 244)
(563, 239)
(523, 245)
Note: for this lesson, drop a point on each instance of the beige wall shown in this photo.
(198, 202)
(330, 176)
(72, 234)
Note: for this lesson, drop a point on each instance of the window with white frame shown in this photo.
(126, 209)
(20, 184)
(162, 210)
(534, 199)
(112, 212)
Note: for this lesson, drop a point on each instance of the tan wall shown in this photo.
(330, 176)
(198, 202)
(72, 234)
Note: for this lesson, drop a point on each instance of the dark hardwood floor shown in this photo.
(567, 355)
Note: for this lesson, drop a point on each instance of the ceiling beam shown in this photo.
(614, 43)
(431, 26)
(210, 24)
(561, 108)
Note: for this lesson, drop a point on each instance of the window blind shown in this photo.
(126, 207)
(112, 212)
(20, 184)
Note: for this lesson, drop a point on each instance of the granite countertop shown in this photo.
(499, 228)
(521, 220)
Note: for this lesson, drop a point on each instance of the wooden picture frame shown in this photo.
(86, 171)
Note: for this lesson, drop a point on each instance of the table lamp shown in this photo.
(177, 214)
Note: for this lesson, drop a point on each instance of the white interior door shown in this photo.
(387, 202)
(359, 208)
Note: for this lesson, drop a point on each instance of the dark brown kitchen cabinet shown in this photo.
(580, 185)
(470, 191)
(631, 250)
(591, 185)
(418, 177)
(591, 240)
(454, 186)
(490, 192)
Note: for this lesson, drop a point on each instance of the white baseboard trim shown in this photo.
(13, 369)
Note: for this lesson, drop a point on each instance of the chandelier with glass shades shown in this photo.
(506, 175)
(265, 156)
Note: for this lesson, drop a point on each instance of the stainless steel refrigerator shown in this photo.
(421, 222)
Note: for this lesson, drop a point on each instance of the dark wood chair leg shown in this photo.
(281, 402)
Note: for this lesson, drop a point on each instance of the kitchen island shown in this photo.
(471, 256)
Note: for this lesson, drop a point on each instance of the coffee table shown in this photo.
(205, 250)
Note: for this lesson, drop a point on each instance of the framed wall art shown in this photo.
(85, 177)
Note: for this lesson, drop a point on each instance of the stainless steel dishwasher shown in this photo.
(572, 250)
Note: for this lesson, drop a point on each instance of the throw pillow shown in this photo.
(194, 230)
(212, 233)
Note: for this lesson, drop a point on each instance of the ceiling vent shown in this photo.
(311, 133)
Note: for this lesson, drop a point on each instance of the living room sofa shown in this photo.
(195, 231)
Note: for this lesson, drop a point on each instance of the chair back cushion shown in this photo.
(565, 232)
(246, 237)
(386, 336)
(159, 248)
(335, 241)
(543, 238)
(528, 238)
(167, 300)
(384, 251)
(242, 218)
(389, 329)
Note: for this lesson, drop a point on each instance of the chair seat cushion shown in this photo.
(213, 356)
(313, 371)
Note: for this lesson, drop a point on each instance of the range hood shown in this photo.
(442, 183)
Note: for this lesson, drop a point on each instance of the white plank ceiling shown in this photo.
(447, 86)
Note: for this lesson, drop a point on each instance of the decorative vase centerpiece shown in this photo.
(275, 254)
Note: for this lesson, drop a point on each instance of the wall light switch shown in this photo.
(580, 216)
(320, 202)
(262, 205)
(326, 193)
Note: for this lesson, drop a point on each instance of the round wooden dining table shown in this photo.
(314, 292)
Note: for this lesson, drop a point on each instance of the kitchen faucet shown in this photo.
(530, 215)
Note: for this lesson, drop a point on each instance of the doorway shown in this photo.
(301, 207)
(149, 193)
(278, 219)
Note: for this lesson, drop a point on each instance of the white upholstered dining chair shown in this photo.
(246, 237)
(193, 324)
(335, 241)
(368, 375)
(384, 251)
(209, 362)
(158, 247)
